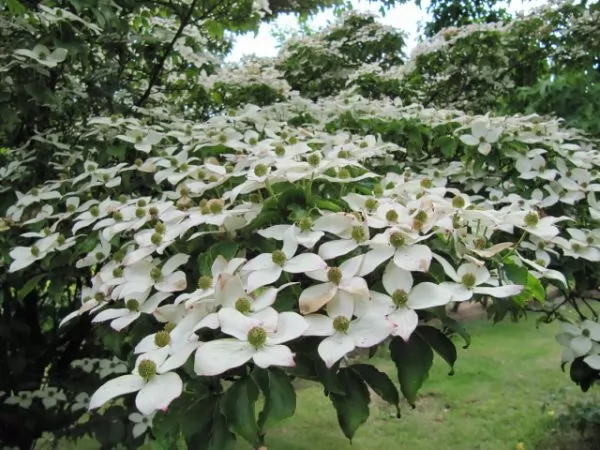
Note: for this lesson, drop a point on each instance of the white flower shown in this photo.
(157, 389)
(50, 396)
(22, 399)
(482, 135)
(42, 55)
(578, 340)
(339, 281)
(142, 423)
(344, 334)
(82, 401)
(403, 299)
(348, 227)
(468, 279)
(403, 247)
(111, 366)
(252, 339)
(266, 268)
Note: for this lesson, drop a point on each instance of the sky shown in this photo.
(406, 17)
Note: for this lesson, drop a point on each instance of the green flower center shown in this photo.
(71, 208)
(480, 243)
(293, 140)
(278, 257)
(458, 202)
(400, 298)
(426, 183)
(243, 305)
(215, 206)
(123, 198)
(162, 338)
(95, 211)
(260, 170)
(421, 216)
(305, 224)
(531, 219)
(184, 191)
(334, 275)
(469, 280)
(371, 204)
(344, 174)
(589, 240)
(585, 332)
(205, 282)
(314, 159)
(140, 212)
(160, 227)
(35, 251)
(138, 162)
(99, 297)
(117, 272)
(576, 246)
(156, 238)
(391, 215)
(359, 234)
(132, 305)
(257, 337)
(138, 139)
(117, 216)
(341, 324)
(147, 369)
(343, 154)
(280, 150)
(155, 273)
(540, 262)
(397, 240)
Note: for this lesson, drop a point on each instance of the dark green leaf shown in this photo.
(448, 146)
(380, 383)
(30, 286)
(413, 360)
(280, 397)
(238, 407)
(441, 343)
(352, 407)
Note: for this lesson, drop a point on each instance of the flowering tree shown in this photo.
(204, 234)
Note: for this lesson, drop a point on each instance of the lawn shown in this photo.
(493, 402)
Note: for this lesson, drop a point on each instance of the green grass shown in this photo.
(493, 402)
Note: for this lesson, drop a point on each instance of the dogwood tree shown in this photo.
(204, 234)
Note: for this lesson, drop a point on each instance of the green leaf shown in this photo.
(30, 286)
(380, 383)
(327, 205)
(280, 397)
(448, 146)
(413, 361)
(352, 407)
(441, 343)
(238, 407)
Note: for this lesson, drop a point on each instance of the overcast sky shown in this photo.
(406, 17)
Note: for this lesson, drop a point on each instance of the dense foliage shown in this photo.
(230, 228)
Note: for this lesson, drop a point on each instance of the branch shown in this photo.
(159, 66)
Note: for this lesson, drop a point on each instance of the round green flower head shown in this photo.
(140, 212)
(421, 216)
(147, 369)
(205, 282)
(531, 219)
(243, 305)
(156, 238)
(426, 183)
(215, 205)
(155, 273)
(314, 159)
(378, 190)
(585, 332)
(343, 154)
(400, 298)
(469, 280)
(117, 272)
(100, 256)
(162, 338)
(458, 202)
(371, 204)
(35, 251)
(260, 170)
(278, 257)
(280, 150)
(117, 216)
(359, 234)
(132, 305)
(334, 275)
(95, 211)
(397, 240)
(123, 198)
(391, 215)
(344, 174)
(257, 337)
(305, 224)
(184, 191)
(160, 228)
(341, 324)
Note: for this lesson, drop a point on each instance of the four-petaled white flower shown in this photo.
(256, 340)
(142, 423)
(482, 135)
